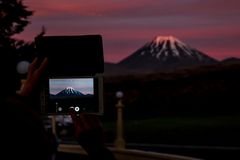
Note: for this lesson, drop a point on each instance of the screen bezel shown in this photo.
(98, 96)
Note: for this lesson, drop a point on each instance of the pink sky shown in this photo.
(211, 26)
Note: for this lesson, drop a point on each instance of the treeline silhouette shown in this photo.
(200, 91)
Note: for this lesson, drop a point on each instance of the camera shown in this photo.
(74, 77)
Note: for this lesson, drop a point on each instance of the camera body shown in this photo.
(74, 77)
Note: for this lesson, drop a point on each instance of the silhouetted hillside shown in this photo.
(231, 60)
(206, 90)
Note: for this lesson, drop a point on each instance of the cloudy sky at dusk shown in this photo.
(211, 26)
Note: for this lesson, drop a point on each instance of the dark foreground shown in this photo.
(208, 153)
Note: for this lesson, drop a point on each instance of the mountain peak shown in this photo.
(69, 91)
(160, 39)
(168, 39)
(166, 52)
(69, 88)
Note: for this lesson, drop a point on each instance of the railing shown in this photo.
(126, 154)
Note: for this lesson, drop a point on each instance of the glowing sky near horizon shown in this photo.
(211, 26)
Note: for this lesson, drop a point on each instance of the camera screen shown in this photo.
(77, 93)
(71, 88)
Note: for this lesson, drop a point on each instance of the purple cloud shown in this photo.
(211, 25)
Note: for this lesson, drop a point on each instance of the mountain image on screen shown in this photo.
(69, 92)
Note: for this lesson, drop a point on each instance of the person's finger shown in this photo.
(84, 122)
(32, 66)
(43, 66)
(78, 122)
(73, 115)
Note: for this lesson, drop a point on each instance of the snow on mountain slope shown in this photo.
(165, 52)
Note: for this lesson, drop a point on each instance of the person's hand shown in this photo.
(88, 130)
(84, 122)
(35, 71)
(89, 133)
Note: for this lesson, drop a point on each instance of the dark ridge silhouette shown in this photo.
(203, 90)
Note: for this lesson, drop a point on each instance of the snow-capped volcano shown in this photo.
(165, 52)
(164, 47)
(69, 91)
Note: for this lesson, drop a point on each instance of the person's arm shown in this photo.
(88, 131)
(35, 71)
(25, 129)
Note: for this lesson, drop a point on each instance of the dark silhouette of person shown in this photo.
(23, 135)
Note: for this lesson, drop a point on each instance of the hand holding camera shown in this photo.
(89, 133)
(74, 74)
